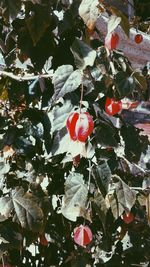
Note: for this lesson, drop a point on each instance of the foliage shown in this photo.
(50, 66)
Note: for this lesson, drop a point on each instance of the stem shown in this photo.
(89, 181)
(81, 98)
(25, 77)
(3, 262)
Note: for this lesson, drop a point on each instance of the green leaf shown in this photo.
(75, 198)
(4, 167)
(88, 11)
(27, 211)
(141, 80)
(144, 200)
(121, 198)
(59, 146)
(133, 144)
(113, 22)
(65, 80)
(100, 207)
(105, 134)
(102, 174)
(38, 22)
(124, 20)
(10, 8)
(60, 115)
(124, 84)
(83, 54)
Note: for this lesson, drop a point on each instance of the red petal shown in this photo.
(87, 236)
(111, 41)
(112, 106)
(71, 124)
(82, 235)
(84, 126)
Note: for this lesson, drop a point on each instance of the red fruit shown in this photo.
(111, 41)
(128, 217)
(138, 38)
(82, 235)
(43, 240)
(80, 126)
(112, 106)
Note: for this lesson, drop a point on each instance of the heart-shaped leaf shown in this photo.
(61, 114)
(124, 84)
(65, 80)
(27, 211)
(75, 196)
(83, 54)
(121, 197)
(102, 174)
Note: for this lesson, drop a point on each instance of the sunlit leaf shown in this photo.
(75, 196)
(113, 22)
(89, 12)
(124, 23)
(61, 114)
(65, 80)
(27, 211)
(121, 197)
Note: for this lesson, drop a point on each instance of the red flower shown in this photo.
(112, 40)
(80, 126)
(112, 106)
(82, 235)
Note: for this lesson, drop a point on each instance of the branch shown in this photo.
(25, 77)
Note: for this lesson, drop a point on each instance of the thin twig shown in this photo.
(81, 98)
(3, 262)
(25, 77)
(89, 181)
